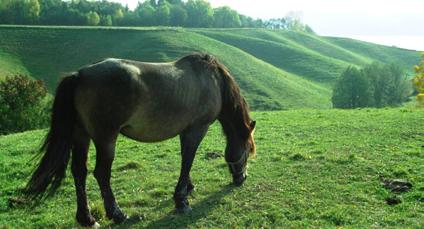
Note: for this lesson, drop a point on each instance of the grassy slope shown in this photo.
(276, 69)
(265, 86)
(10, 65)
(313, 169)
(319, 59)
(403, 57)
(283, 53)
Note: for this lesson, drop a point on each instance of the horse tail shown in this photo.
(58, 142)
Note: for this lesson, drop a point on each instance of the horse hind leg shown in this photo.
(79, 171)
(105, 154)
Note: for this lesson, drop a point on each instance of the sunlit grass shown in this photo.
(314, 168)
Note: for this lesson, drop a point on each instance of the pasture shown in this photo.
(314, 168)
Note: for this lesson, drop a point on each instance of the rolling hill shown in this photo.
(275, 69)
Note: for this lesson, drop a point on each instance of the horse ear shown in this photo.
(252, 125)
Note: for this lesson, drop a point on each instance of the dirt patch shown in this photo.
(213, 155)
(397, 185)
(393, 200)
(129, 166)
(14, 202)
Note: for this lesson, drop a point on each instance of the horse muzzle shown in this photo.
(238, 180)
(239, 170)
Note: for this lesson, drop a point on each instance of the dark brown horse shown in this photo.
(148, 102)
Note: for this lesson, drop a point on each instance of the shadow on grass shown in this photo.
(173, 220)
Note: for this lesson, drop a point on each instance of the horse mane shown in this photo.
(234, 107)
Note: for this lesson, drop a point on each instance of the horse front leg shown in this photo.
(190, 140)
(104, 159)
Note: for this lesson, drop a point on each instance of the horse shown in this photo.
(147, 102)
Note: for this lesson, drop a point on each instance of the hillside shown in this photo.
(314, 169)
(275, 69)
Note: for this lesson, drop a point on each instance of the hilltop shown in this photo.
(275, 69)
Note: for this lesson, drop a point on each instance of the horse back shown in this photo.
(146, 101)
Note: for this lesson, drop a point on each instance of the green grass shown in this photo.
(10, 65)
(314, 168)
(275, 69)
(385, 54)
(265, 86)
(283, 53)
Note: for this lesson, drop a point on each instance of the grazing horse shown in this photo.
(147, 102)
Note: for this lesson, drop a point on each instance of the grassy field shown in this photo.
(11, 65)
(275, 69)
(314, 168)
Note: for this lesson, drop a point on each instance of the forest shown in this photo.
(191, 13)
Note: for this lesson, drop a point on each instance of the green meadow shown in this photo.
(314, 168)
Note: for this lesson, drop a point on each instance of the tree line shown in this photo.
(191, 13)
(376, 85)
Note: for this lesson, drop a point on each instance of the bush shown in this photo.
(24, 104)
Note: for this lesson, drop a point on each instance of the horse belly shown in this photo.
(151, 130)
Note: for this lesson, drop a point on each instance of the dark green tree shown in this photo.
(225, 17)
(163, 13)
(178, 15)
(389, 84)
(93, 18)
(146, 14)
(352, 90)
(200, 13)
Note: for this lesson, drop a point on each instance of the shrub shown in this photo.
(24, 104)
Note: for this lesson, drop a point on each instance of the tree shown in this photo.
(93, 18)
(399, 87)
(352, 90)
(389, 84)
(145, 12)
(178, 15)
(418, 81)
(163, 14)
(225, 17)
(118, 16)
(23, 104)
(200, 13)
(19, 11)
(32, 11)
(376, 85)
(106, 20)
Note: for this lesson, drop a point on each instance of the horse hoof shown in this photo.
(86, 221)
(120, 218)
(95, 225)
(238, 181)
(184, 210)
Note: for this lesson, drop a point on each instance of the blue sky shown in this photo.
(391, 22)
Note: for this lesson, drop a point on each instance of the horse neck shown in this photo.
(232, 121)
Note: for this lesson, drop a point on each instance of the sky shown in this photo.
(390, 22)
